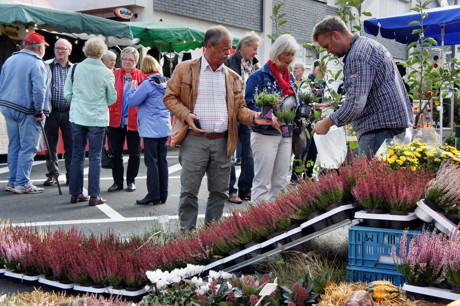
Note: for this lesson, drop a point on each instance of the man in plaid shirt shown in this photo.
(377, 103)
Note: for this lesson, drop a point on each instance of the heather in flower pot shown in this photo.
(404, 189)
(267, 102)
(422, 263)
(443, 191)
(369, 189)
(286, 116)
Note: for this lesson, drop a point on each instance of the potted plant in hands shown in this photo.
(286, 117)
(307, 100)
(267, 101)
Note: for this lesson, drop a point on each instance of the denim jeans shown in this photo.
(117, 138)
(247, 163)
(155, 151)
(94, 135)
(24, 136)
(369, 143)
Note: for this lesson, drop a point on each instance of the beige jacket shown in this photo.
(180, 99)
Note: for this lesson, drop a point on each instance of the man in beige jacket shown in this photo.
(207, 100)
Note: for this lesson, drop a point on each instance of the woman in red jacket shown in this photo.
(123, 122)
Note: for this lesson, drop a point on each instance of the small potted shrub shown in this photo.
(443, 193)
(286, 117)
(267, 101)
(306, 103)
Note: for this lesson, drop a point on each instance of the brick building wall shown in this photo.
(245, 14)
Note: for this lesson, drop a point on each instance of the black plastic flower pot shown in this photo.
(266, 112)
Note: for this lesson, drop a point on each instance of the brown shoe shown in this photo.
(233, 198)
(78, 198)
(245, 196)
(93, 201)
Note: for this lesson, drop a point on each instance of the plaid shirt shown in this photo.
(211, 101)
(375, 94)
(57, 86)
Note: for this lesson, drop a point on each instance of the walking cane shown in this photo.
(52, 157)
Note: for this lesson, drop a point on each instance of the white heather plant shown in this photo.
(444, 189)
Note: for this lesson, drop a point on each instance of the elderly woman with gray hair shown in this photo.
(123, 122)
(89, 88)
(110, 59)
(271, 151)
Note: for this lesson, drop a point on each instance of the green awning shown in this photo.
(51, 19)
(168, 37)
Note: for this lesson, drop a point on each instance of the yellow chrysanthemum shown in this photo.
(437, 160)
(400, 162)
(391, 152)
(402, 158)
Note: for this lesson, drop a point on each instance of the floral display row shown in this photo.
(105, 260)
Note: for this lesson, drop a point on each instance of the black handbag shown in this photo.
(107, 156)
(299, 137)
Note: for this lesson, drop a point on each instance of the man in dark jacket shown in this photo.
(244, 63)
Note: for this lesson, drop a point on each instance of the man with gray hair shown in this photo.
(58, 67)
(207, 100)
(377, 104)
(23, 96)
(243, 62)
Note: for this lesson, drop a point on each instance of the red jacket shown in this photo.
(116, 109)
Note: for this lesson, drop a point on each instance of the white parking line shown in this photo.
(110, 212)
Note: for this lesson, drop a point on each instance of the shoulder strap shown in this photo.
(73, 71)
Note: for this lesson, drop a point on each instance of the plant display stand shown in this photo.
(22, 276)
(124, 292)
(44, 280)
(432, 291)
(371, 247)
(429, 215)
(242, 258)
(397, 222)
(89, 289)
(362, 274)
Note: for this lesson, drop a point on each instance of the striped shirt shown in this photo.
(211, 101)
(57, 86)
(375, 94)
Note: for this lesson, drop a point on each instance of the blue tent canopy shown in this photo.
(397, 28)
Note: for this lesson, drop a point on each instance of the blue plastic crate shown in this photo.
(371, 247)
(367, 275)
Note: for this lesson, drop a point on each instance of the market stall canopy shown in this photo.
(168, 37)
(70, 23)
(397, 28)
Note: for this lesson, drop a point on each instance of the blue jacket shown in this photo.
(257, 82)
(23, 83)
(153, 116)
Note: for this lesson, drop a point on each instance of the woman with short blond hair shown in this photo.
(154, 128)
(89, 88)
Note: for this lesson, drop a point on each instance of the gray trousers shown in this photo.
(200, 155)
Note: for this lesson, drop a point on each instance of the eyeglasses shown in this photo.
(61, 49)
(128, 60)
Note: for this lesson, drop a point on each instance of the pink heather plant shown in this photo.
(451, 260)
(444, 189)
(404, 188)
(424, 260)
